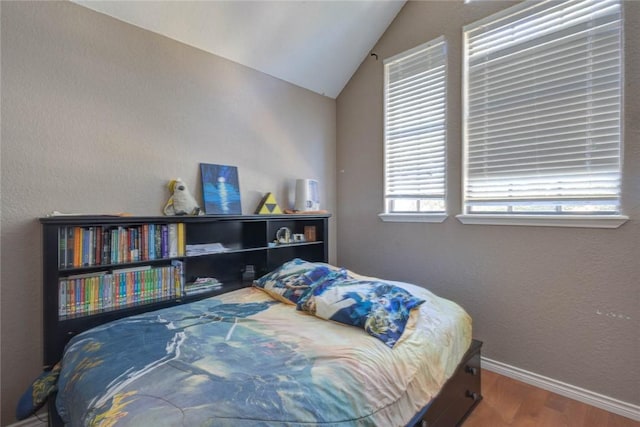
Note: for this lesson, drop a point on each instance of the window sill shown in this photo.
(583, 221)
(387, 217)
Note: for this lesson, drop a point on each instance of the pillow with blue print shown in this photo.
(289, 282)
(380, 308)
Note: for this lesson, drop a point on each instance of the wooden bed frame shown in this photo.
(458, 397)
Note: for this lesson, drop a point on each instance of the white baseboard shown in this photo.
(39, 421)
(576, 393)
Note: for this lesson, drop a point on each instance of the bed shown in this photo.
(278, 354)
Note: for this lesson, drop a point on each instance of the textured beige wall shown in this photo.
(98, 115)
(559, 302)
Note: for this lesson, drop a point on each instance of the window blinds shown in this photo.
(543, 109)
(414, 100)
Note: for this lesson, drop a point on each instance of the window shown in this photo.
(415, 134)
(542, 112)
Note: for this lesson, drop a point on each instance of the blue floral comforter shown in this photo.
(243, 358)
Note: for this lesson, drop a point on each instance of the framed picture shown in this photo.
(220, 189)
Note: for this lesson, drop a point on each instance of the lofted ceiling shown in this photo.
(317, 45)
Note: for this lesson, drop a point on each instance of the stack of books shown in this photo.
(201, 285)
(204, 249)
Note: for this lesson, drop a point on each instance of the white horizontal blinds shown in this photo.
(543, 109)
(415, 99)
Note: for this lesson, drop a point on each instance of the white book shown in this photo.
(173, 240)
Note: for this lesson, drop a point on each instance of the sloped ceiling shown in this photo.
(317, 45)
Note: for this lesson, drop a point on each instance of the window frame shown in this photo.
(595, 220)
(415, 216)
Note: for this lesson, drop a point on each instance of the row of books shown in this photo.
(103, 245)
(100, 291)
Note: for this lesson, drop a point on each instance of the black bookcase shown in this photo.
(247, 240)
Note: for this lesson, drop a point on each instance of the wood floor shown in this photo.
(508, 402)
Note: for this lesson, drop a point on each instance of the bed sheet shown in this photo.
(242, 358)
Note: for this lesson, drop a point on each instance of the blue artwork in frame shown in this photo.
(220, 189)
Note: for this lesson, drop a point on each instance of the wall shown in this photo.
(98, 115)
(559, 302)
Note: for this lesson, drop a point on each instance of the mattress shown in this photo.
(243, 358)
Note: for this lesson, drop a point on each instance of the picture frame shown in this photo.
(220, 189)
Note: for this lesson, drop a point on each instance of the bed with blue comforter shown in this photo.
(309, 344)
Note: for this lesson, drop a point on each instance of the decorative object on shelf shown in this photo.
(220, 189)
(298, 238)
(248, 274)
(181, 201)
(283, 235)
(268, 205)
(307, 196)
(310, 233)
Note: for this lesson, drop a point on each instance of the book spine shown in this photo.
(108, 291)
(123, 289)
(92, 246)
(157, 282)
(158, 234)
(84, 295)
(178, 277)
(62, 298)
(144, 291)
(106, 246)
(144, 242)
(124, 245)
(62, 244)
(152, 241)
(171, 280)
(100, 294)
(166, 292)
(123, 250)
(89, 294)
(181, 239)
(78, 294)
(150, 285)
(71, 296)
(97, 249)
(95, 293)
(114, 244)
(116, 290)
(77, 247)
(70, 242)
(129, 292)
(165, 241)
(133, 244)
(137, 287)
(86, 246)
(138, 244)
(173, 240)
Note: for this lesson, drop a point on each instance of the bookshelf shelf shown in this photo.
(102, 268)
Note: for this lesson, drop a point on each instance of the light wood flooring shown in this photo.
(508, 402)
